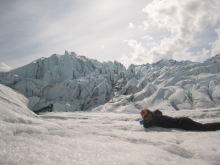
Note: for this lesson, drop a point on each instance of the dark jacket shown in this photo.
(182, 122)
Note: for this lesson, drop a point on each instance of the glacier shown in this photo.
(74, 83)
(100, 137)
(92, 112)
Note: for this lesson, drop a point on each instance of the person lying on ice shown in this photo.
(156, 118)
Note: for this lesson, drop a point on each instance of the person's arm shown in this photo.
(153, 120)
(149, 123)
(150, 119)
(157, 112)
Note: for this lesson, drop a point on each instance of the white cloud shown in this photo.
(138, 56)
(37, 29)
(152, 44)
(216, 44)
(144, 25)
(103, 46)
(184, 20)
(4, 67)
(130, 25)
(203, 55)
(190, 14)
(147, 37)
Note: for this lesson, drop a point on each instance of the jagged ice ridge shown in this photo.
(71, 83)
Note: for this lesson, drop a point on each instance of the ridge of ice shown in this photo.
(214, 59)
(72, 83)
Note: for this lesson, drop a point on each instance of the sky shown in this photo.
(128, 31)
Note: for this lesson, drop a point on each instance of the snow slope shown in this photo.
(72, 83)
(99, 137)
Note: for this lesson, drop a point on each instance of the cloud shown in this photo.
(216, 44)
(4, 67)
(184, 21)
(147, 37)
(203, 55)
(144, 25)
(32, 29)
(138, 55)
(130, 25)
(191, 14)
(103, 46)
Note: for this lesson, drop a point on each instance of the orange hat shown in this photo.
(144, 112)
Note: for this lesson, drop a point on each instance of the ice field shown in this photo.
(89, 112)
(100, 137)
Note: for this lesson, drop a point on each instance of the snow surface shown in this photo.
(73, 83)
(100, 136)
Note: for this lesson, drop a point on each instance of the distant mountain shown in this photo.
(214, 59)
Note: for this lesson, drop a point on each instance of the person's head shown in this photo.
(146, 114)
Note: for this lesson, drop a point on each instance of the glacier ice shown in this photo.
(100, 136)
(72, 83)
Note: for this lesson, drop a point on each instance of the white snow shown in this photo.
(100, 136)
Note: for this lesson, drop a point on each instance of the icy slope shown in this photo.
(70, 83)
(99, 138)
(13, 107)
(215, 59)
(59, 68)
(166, 62)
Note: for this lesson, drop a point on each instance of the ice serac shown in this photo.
(215, 59)
(71, 83)
(64, 82)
